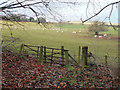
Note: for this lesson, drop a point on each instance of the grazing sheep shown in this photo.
(105, 35)
(43, 29)
(5, 27)
(95, 36)
(73, 32)
(62, 31)
(100, 36)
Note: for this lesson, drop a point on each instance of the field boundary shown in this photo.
(56, 56)
(48, 54)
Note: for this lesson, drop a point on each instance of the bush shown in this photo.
(97, 27)
(41, 20)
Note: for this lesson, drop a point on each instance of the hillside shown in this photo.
(23, 71)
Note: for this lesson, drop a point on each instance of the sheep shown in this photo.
(95, 36)
(105, 35)
(57, 31)
(100, 36)
(43, 29)
(73, 32)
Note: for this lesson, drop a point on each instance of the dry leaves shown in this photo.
(23, 71)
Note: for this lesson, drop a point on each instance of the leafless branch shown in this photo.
(44, 6)
(110, 17)
(100, 11)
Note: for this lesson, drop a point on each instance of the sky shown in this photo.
(65, 12)
(78, 12)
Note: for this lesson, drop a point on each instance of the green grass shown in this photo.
(71, 26)
(33, 34)
(112, 32)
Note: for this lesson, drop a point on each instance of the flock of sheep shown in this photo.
(74, 32)
(100, 35)
(59, 30)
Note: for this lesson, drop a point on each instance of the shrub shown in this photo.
(97, 27)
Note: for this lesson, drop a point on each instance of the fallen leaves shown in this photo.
(28, 72)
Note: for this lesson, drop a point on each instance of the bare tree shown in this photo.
(42, 7)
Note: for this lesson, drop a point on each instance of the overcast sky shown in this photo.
(77, 12)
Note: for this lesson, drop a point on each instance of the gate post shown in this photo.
(79, 53)
(106, 63)
(41, 54)
(37, 51)
(62, 54)
(84, 56)
(21, 48)
(52, 56)
(66, 57)
(45, 54)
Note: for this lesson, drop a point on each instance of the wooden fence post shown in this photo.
(106, 63)
(66, 57)
(37, 51)
(84, 56)
(118, 67)
(41, 54)
(45, 54)
(52, 56)
(62, 54)
(79, 53)
(21, 48)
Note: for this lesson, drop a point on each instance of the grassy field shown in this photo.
(58, 35)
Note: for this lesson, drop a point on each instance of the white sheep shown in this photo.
(43, 29)
(105, 35)
(0, 27)
(95, 36)
(100, 36)
(73, 32)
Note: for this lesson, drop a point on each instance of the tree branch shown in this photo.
(100, 11)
